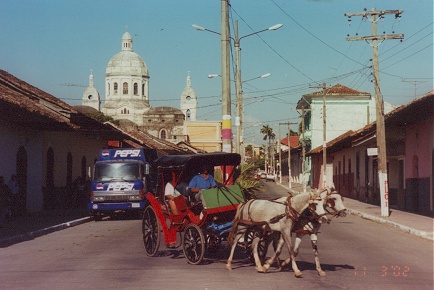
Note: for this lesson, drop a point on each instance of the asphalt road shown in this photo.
(355, 253)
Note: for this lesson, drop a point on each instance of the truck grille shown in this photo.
(116, 198)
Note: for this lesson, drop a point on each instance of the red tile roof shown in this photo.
(292, 139)
(339, 89)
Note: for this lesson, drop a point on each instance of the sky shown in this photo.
(55, 44)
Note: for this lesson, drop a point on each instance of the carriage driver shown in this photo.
(203, 180)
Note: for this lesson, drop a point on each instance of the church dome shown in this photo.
(126, 62)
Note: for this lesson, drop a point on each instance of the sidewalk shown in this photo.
(31, 226)
(414, 224)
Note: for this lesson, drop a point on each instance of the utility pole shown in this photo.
(226, 89)
(280, 158)
(381, 132)
(289, 154)
(266, 154)
(303, 147)
(239, 94)
(324, 134)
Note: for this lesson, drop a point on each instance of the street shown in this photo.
(355, 254)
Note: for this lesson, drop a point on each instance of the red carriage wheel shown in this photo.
(151, 231)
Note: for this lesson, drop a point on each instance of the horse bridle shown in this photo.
(330, 203)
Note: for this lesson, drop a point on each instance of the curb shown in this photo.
(34, 234)
(406, 229)
(403, 228)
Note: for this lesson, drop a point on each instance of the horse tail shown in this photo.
(235, 222)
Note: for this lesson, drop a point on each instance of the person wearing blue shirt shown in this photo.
(203, 180)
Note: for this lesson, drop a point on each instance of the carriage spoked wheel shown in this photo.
(193, 244)
(251, 234)
(151, 231)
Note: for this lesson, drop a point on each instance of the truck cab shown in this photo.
(121, 178)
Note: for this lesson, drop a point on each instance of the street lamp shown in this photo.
(238, 83)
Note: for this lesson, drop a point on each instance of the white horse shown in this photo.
(275, 216)
(308, 224)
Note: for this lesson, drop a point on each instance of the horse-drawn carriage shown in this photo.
(196, 226)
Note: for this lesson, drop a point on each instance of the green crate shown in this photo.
(222, 196)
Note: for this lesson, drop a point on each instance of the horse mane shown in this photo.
(302, 199)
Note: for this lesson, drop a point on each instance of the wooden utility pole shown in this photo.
(374, 16)
(289, 154)
(324, 134)
(303, 147)
(226, 89)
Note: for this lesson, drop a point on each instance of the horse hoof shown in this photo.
(298, 274)
(228, 267)
(260, 269)
(322, 274)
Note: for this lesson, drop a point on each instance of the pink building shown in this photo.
(410, 159)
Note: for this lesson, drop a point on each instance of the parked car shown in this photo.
(260, 174)
(270, 177)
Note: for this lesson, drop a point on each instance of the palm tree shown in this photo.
(269, 136)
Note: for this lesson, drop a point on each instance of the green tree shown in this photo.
(102, 118)
(246, 179)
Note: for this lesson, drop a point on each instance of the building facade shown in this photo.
(345, 109)
(189, 101)
(126, 84)
(127, 100)
(410, 159)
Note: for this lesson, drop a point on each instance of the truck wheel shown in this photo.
(97, 216)
(151, 231)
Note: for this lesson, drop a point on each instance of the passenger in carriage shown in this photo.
(170, 193)
(203, 180)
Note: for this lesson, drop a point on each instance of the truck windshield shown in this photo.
(116, 171)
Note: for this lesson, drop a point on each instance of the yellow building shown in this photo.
(205, 135)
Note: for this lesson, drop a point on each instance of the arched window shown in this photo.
(136, 89)
(125, 88)
(163, 134)
(143, 89)
(188, 115)
(115, 88)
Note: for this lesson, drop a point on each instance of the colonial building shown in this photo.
(126, 84)
(48, 144)
(345, 109)
(91, 97)
(127, 100)
(410, 159)
(189, 101)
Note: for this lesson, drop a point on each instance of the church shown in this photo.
(127, 100)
